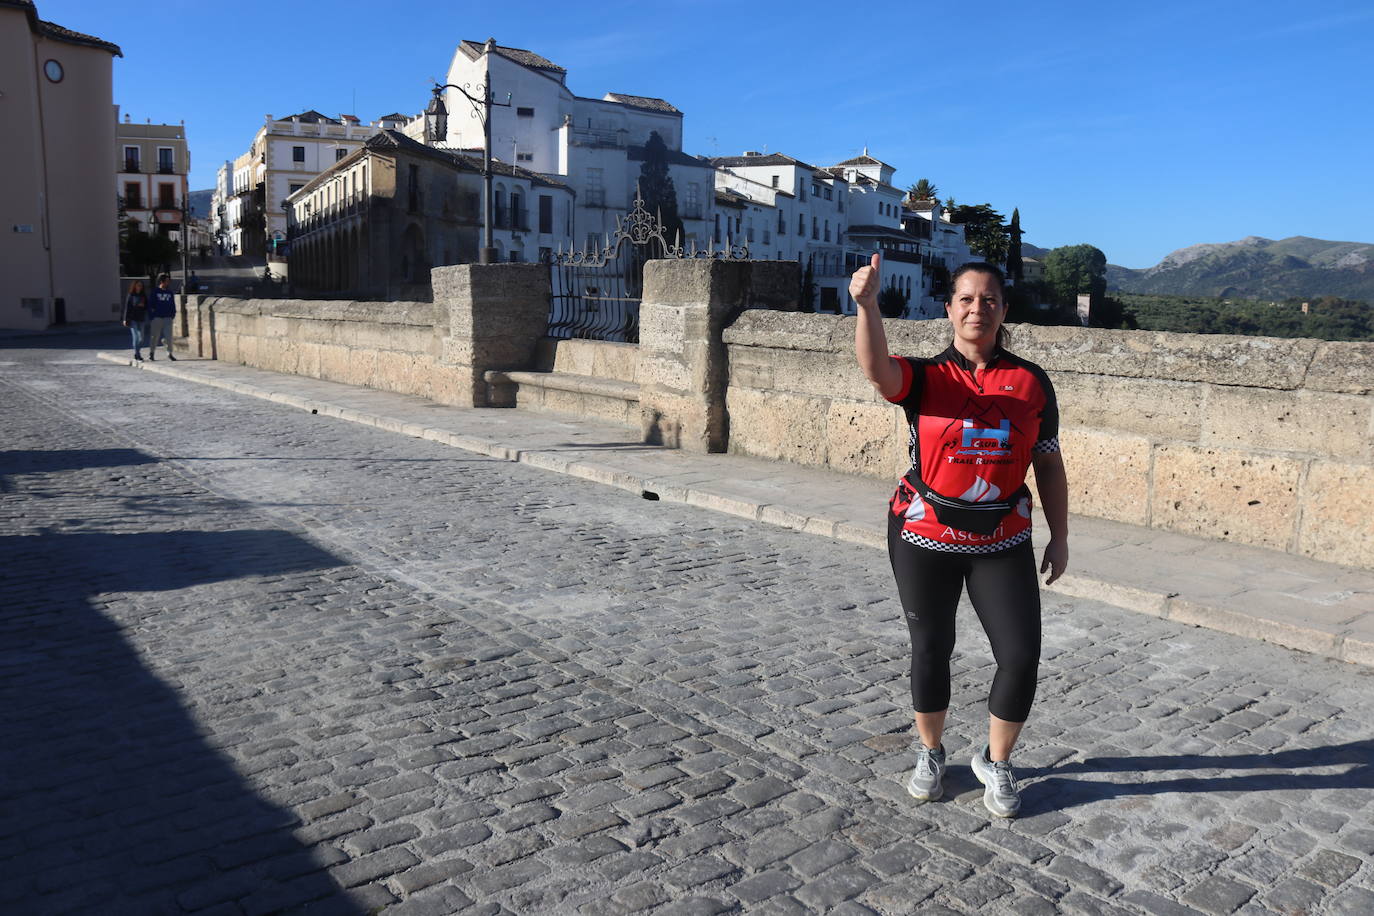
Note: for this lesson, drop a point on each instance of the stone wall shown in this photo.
(386, 345)
(482, 317)
(1249, 439)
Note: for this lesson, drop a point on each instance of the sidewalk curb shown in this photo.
(1165, 605)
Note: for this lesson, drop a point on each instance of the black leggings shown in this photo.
(1006, 595)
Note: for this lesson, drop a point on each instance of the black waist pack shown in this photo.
(977, 518)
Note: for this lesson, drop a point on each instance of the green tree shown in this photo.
(1014, 266)
(984, 231)
(892, 302)
(656, 188)
(922, 190)
(143, 254)
(1075, 269)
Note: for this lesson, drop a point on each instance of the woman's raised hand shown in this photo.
(864, 284)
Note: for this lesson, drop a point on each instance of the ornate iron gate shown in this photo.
(596, 293)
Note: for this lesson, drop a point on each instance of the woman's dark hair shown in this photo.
(991, 270)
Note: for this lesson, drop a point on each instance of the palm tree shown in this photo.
(922, 190)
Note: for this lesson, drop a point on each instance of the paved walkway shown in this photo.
(256, 660)
(1295, 602)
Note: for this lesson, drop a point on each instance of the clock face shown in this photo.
(53, 70)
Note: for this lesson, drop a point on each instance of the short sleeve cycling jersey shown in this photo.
(972, 435)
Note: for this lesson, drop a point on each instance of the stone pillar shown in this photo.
(486, 316)
(682, 357)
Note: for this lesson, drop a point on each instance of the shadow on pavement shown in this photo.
(114, 799)
(1344, 766)
(29, 461)
(113, 338)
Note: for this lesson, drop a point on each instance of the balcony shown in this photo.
(165, 168)
(594, 197)
(509, 218)
(587, 136)
(131, 165)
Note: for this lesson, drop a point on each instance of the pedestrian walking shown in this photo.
(979, 417)
(135, 316)
(162, 309)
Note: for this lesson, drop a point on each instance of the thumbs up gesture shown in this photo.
(866, 282)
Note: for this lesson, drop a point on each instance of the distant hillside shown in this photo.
(1257, 268)
(200, 203)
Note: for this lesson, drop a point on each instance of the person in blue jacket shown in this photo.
(162, 308)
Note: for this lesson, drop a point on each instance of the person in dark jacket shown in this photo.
(135, 316)
(162, 309)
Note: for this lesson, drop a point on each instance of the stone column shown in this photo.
(486, 316)
(682, 357)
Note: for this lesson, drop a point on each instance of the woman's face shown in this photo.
(138, 286)
(976, 309)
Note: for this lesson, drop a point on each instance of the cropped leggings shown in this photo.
(1006, 596)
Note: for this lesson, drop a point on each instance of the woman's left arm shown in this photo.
(1053, 486)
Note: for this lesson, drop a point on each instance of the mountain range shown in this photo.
(1252, 268)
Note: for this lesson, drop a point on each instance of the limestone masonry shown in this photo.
(1253, 440)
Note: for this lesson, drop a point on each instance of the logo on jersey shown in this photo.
(985, 440)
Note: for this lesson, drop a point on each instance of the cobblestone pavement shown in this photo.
(253, 660)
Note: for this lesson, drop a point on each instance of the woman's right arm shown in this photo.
(870, 340)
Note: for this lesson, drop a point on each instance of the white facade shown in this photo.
(593, 145)
(219, 207)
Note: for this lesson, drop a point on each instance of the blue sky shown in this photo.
(1140, 128)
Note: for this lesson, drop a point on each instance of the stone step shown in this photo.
(565, 392)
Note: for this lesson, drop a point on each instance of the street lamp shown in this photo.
(436, 129)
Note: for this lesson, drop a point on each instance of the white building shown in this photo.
(596, 146)
(284, 156)
(787, 210)
(834, 219)
(942, 248)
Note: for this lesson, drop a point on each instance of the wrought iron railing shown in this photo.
(597, 293)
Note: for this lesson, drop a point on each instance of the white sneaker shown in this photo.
(1001, 797)
(926, 782)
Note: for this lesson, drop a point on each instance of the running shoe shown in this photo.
(926, 781)
(1001, 796)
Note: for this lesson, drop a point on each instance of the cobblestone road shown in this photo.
(253, 660)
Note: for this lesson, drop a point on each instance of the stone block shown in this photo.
(777, 425)
(1335, 527)
(1146, 407)
(565, 356)
(868, 439)
(751, 368)
(1342, 366)
(1109, 474)
(1316, 423)
(904, 338)
(619, 361)
(1226, 494)
(674, 420)
(820, 374)
(1293, 634)
(1262, 362)
(662, 329)
(769, 329)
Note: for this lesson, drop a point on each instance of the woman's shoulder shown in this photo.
(1022, 363)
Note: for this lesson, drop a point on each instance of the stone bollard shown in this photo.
(683, 366)
(486, 316)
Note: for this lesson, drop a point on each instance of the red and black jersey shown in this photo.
(972, 437)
